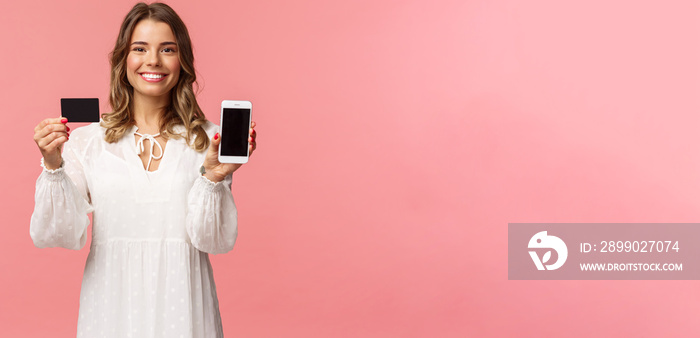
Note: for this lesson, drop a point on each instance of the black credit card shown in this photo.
(81, 110)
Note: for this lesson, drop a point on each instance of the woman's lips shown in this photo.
(153, 77)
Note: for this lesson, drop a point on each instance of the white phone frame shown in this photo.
(237, 105)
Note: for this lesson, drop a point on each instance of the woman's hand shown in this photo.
(50, 135)
(215, 170)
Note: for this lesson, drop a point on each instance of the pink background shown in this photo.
(397, 140)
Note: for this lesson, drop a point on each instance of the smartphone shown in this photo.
(81, 110)
(235, 124)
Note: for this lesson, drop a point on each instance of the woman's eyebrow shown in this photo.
(146, 43)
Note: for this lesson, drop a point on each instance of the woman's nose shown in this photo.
(153, 59)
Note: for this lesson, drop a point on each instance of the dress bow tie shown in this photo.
(140, 147)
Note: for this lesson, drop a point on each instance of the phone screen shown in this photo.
(81, 110)
(235, 123)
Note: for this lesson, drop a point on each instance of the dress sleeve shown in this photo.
(61, 204)
(212, 218)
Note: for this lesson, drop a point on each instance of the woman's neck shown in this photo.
(148, 112)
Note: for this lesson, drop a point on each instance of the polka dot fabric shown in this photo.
(148, 272)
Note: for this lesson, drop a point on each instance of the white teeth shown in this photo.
(152, 76)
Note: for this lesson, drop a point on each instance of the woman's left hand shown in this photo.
(215, 171)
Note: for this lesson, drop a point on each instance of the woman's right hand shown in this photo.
(50, 135)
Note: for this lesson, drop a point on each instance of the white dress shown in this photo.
(148, 272)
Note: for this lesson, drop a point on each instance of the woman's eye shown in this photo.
(138, 49)
(168, 50)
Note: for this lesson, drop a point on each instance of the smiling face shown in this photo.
(152, 66)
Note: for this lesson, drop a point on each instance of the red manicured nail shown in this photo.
(67, 128)
(216, 137)
(64, 120)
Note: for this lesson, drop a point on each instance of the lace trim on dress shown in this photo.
(54, 174)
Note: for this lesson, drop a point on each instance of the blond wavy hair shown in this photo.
(183, 108)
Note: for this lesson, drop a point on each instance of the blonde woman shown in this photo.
(149, 173)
